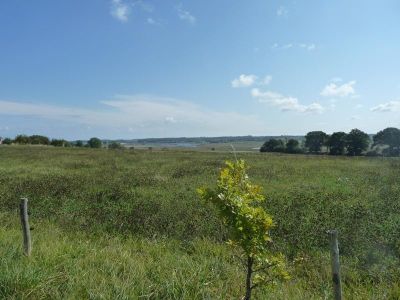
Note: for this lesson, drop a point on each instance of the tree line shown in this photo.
(23, 139)
(386, 143)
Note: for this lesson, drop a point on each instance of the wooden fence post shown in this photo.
(26, 231)
(337, 290)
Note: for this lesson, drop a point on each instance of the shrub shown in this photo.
(238, 202)
(95, 143)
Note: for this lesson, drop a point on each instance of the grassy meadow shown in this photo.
(128, 224)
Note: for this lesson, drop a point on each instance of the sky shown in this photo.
(145, 68)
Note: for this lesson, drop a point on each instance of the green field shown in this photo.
(129, 225)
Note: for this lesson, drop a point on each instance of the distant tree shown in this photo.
(60, 143)
(78, 144)
(22, 139)
(357, 141)
(7, 141)
(293, 146)
(315, 140)
(391, 137)
(273, 145)
(39, 140)
(337, 143)
(115, 145)
(95, 143)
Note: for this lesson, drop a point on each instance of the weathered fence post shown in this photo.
(337, 290)
(26, 231)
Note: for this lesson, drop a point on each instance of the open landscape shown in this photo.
(244, 150)
(123, 224)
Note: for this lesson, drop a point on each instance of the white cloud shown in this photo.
(391, 106)
(120, 10)
(282, 11)
(285, 103)
(336, 90)
(185, 15)
(244, 81)
(145, 115)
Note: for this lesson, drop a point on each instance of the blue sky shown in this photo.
(133, 69)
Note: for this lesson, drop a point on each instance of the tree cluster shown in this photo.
(23, 139)
(386, 142)
(277, 145)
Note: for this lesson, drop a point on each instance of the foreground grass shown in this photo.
(66, 266)
(128, 224)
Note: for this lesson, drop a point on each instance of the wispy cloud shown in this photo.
(287, 46)
(154, 22)
(309, 47)
(282, 11)
(391, 106)
(267, 80)
(249, 80)
(144, 115)
(185, 15)
(120, 10)
(285, 103)
(305, 46)
(339, 90)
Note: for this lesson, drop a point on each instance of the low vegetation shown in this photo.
(129, 224)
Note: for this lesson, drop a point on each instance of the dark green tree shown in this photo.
(357, 141)
(60, 143)
(95, 142)
(337, 143)
(7, 141)
(273, 145)
(391, 137)
(79, 144)
(39, 140)
(22, 139)
(315, 140)
(293, 146)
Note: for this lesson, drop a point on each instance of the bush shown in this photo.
(273, 145)
(60, 143)
(95, 143)
(7, 141)
(372, 153)
(115, 145)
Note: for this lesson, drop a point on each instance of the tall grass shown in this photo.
(128, 224)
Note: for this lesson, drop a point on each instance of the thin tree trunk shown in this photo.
(248, 278)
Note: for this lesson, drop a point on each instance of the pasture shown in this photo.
(128, 224)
